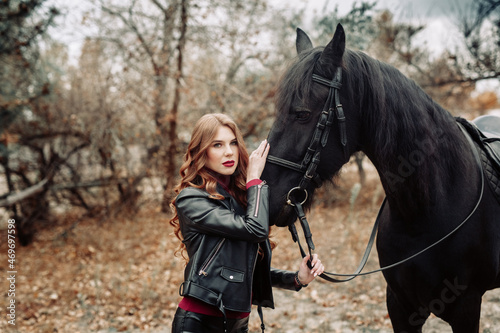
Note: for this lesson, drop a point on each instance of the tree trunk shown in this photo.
(172, 119)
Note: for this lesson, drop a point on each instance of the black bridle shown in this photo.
(310, 162)
(311, 159)
(331, 110)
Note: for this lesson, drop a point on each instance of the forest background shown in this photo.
(91, 140)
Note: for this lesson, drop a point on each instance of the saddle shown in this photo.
(489, 125)
(485, 132)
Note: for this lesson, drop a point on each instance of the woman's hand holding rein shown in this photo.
(306, 274)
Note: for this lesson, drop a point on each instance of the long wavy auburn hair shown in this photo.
(194, 174)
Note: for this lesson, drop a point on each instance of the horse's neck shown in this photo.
(423, 179)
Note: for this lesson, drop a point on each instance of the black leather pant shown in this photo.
(191, 322)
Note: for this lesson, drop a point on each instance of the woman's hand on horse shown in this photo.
(306, 275)
(257, 161)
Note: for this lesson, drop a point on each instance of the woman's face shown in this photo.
(223, 153)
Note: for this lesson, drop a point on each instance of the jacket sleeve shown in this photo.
(202, 214)
(283, 279)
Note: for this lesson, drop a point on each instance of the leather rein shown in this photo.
(333, 109)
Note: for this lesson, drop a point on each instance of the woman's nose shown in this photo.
(229, 151)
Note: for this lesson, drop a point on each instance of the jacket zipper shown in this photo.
(259, 189)
(207, 262)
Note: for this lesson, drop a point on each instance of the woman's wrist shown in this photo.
(297, 281)
(253, 182)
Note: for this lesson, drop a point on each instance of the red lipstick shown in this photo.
(228, 164)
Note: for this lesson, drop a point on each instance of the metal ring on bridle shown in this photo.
(289, 201)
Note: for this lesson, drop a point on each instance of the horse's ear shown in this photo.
(302, 42)
(333, 52)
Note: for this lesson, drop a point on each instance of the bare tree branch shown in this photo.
(24, 194)
(231, 87)
(138, 34)
(484, 9)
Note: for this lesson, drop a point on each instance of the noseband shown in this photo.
(331, 109)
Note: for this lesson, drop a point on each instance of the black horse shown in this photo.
(427, 166)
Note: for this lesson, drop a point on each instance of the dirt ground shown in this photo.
(120, 274)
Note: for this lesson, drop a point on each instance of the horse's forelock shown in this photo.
(296, 82)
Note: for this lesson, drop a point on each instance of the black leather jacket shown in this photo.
(222, 241)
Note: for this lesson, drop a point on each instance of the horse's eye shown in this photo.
(302, 115)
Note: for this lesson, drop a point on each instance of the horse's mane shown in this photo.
(402, 120)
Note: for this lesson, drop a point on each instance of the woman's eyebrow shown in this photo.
(218, 141)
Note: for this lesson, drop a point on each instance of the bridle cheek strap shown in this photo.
(333, 106)
(342, 126)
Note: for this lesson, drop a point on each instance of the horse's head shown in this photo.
(302, 97)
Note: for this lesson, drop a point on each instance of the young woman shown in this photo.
(221, 216)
